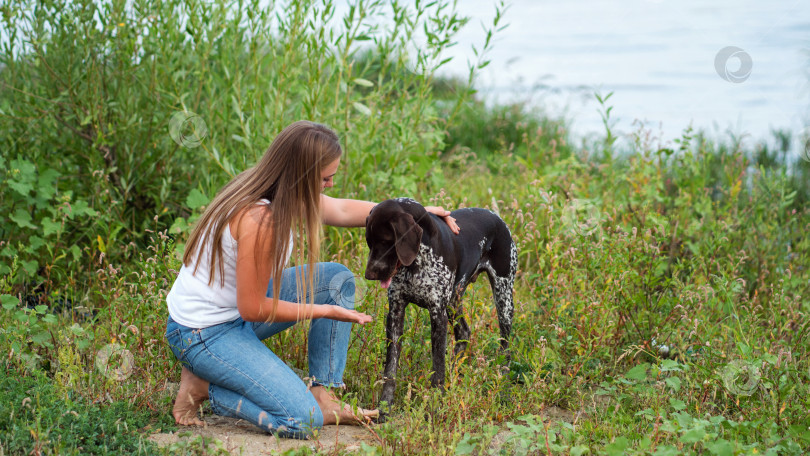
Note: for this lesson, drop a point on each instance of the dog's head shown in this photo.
(393, 238)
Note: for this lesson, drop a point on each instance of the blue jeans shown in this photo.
(248, 381)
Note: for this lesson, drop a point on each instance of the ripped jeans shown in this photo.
(248, 381)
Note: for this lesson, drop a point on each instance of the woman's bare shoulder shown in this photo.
(249, 220)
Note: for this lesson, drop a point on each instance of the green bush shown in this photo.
(114, 113)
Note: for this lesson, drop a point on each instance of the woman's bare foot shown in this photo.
(334, 413)
(193, 391)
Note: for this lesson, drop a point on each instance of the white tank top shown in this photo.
(194, 303)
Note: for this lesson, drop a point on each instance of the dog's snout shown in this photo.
(377, 269)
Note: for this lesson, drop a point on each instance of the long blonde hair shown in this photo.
(289, 176)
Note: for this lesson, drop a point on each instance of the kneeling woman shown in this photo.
(234, 290)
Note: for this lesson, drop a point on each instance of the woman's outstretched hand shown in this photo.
(445, 214)
(349, 315)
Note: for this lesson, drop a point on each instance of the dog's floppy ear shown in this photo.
(408, 237)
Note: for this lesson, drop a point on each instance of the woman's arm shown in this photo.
(252, 277)
(344, 212)
(353, 213)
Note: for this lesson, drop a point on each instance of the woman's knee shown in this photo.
(338, 285)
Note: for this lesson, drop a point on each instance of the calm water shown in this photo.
(656, 56)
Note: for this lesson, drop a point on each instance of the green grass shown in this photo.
(717, 276)
(35, 418)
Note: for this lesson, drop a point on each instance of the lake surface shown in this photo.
(658, 59)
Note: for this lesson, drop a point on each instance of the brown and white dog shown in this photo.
(419, 260)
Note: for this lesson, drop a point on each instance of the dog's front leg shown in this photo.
(438, 342)
(394, 324)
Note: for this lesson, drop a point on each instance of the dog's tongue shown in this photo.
(386, 283)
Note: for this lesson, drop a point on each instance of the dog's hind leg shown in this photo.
(503, 294)
(461, 330)
(501, 272)
(504, 304)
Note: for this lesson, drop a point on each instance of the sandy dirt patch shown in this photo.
(242, 438)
